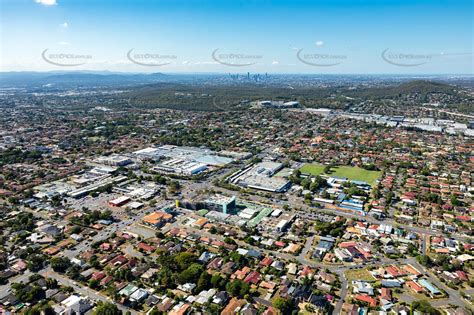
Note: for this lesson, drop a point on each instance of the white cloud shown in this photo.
(64, 43)
(275, 62)
(206, 63)
(64, 25)
(319, 43)
(46, 2)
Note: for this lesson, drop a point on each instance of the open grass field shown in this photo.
(312, 169)
(350, 172)
(359, 274)
(356, 173)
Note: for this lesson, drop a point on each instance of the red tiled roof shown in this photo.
(365, 298)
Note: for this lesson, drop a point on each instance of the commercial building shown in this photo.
(180, 166)
(186, 154)
(221, 203)
(248, 213)
(157, 219)
(320, 111)
(96, 185)
(260, 176)
(279, 104)
(114, 160)
(120, 201)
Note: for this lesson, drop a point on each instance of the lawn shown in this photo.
(356, 173)
(312, 169)
(359, 274)
(350, 172)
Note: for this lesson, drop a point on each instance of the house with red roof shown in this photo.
(279, 244)
(386, 294)
(106, 280)
(105, 246)
(267, 261)
(461, 275)
(98, 275)
(367, 299)
(118, 261)
(307, 272)
(395, 272)
(253, 277)
(146, 248)
(414, 286)
(240, 274)
(347, 244)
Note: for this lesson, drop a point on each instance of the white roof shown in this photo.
(72, 300)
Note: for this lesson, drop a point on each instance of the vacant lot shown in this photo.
(359, 274)
(350, 172)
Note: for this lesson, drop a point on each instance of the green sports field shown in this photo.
(312, 169)
(350, 172)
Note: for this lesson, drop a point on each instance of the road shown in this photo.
(190, 190)
(63, 280)
(454, 295)
(342, 295)
(23, 278)
(296, 202)
(105, 234)
(83, 290)
(301, 258)
(307, 246)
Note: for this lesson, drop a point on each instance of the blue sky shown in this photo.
(334, 36)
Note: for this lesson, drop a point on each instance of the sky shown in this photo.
(320, 37)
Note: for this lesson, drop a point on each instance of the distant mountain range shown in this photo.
(77, 79)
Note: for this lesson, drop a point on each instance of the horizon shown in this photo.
(280, 37)
(105, 72)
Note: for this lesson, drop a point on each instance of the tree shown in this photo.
(106, 309)
(318, 183)
(327, 169)
(283, 305)
(175, 186)
(204, 282)
(184, 260)
(35, 262)
(42, 308)
(424, 307)
(217, 281)
(60, 264)
(424, 260)
(238, 288)
(93, 284)
(191, 274)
